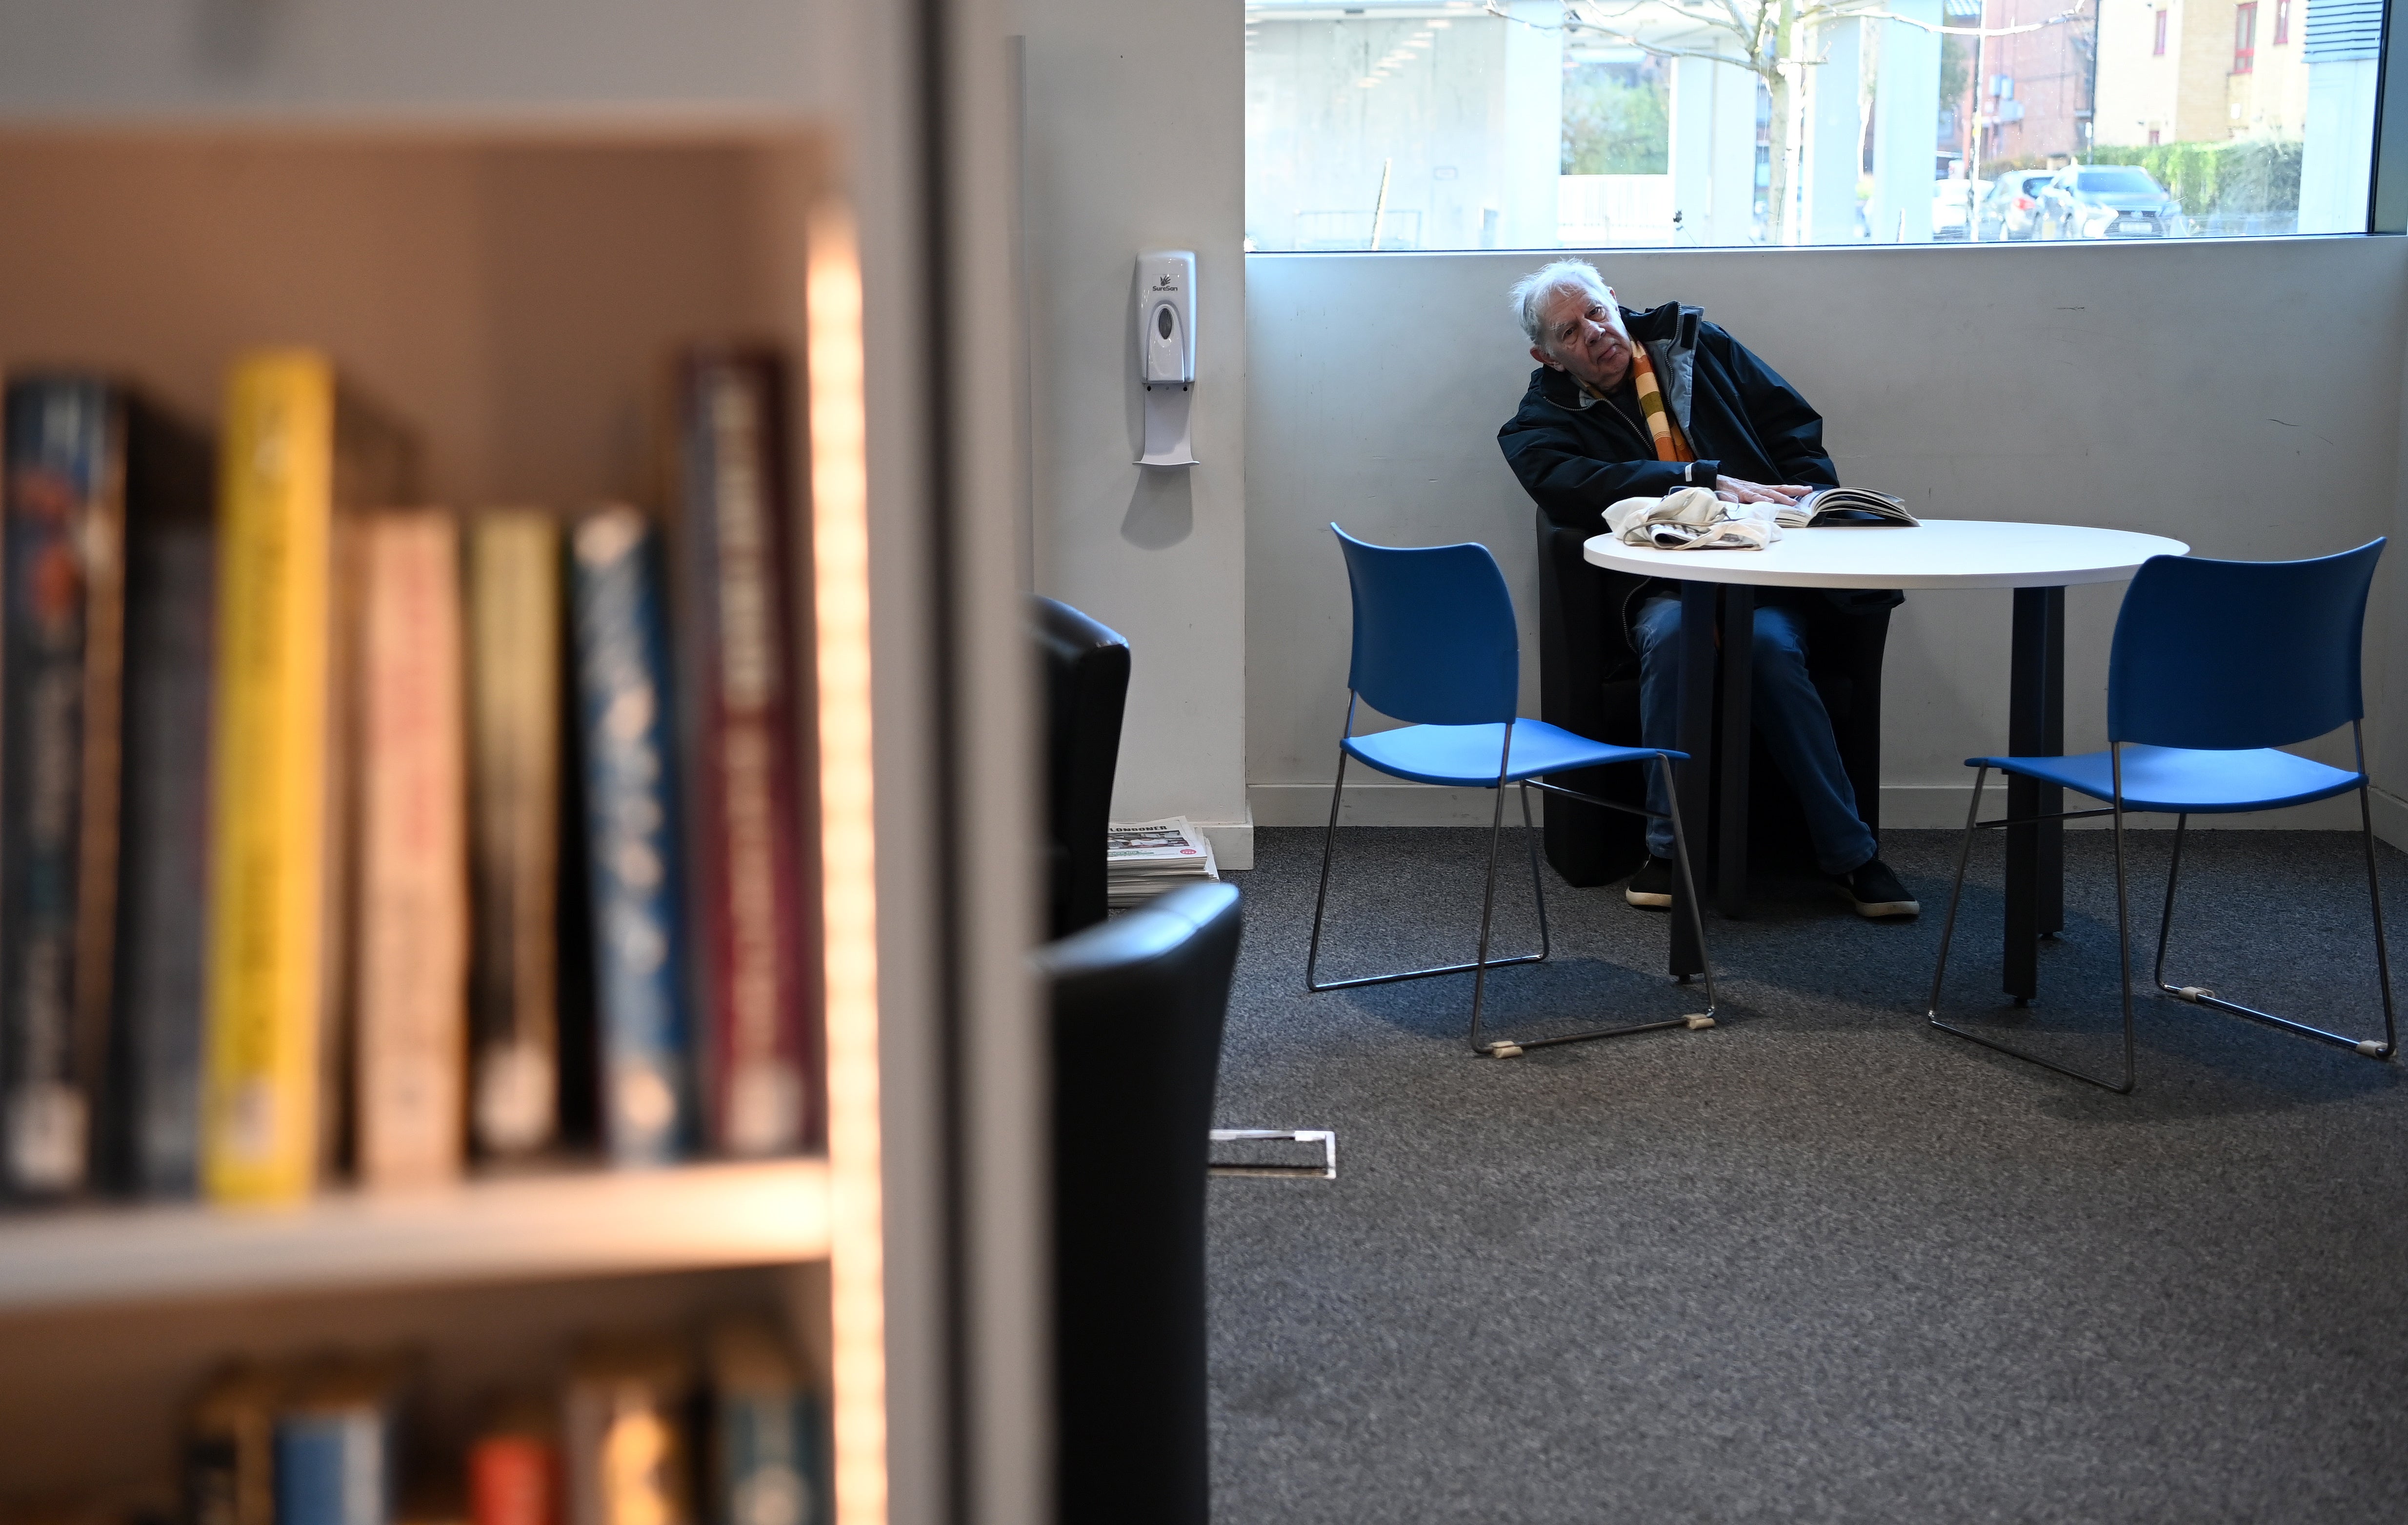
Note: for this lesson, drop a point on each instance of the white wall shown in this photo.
(1134, 139)
(2243, 396)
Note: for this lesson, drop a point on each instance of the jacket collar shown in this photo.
(1671, 335)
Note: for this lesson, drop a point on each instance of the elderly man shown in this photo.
(1638, 405)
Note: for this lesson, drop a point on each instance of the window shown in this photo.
(1408, 125)
(2281, 22)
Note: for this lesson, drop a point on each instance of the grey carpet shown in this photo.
(1819, 1263)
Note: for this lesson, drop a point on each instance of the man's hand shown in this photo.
(1733, 490)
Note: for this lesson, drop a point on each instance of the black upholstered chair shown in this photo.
(1138, 1007)
(1087, 687)
(1588, 683)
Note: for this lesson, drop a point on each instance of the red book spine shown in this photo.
(751, 926)
(514, 1480)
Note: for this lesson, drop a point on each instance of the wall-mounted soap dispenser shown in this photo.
(1166, 353)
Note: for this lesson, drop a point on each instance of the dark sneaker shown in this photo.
(1875, 891)
(1651, 887)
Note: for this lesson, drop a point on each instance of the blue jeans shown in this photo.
(1788, 713)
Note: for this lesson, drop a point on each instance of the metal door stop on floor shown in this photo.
(1326, 1171)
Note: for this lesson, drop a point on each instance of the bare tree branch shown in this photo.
(2058, 20)
(1750, 34)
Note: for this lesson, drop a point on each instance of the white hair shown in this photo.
(1533, 291)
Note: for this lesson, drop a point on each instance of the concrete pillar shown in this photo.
(1713, 151)
(1534, 124)
(1906, 126)
(2339, 151)
(1833, 147)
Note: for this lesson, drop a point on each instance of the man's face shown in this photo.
(1583, 334)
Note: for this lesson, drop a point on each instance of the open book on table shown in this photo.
(1833, 507)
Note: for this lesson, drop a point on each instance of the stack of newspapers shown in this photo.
(1144, 858)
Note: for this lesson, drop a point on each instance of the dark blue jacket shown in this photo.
(1739, 415)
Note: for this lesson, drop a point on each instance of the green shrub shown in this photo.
(1615, 123)
(2253, 175)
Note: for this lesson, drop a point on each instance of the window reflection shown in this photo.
(1544, 123)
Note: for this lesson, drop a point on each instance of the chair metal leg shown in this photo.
(1538, 882)
(2200, 995)
(1488, 896)
(1313, 951)
(1482, 962)
(1948, 926)
(2374, 900)
(1329, 845)
(1689, 893)
(1694, 1020)
(1948, 922)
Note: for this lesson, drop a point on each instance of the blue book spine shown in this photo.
(59, 434)
(640, 959)
(769, 1455)
(334, 1467)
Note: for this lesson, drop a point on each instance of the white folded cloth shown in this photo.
(1692, 519)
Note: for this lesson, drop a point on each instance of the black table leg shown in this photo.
(1698, 740)
(2035, 728)
(1731, 817)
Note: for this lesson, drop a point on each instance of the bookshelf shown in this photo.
(592, 1223)
(513, 291)
(496, 214)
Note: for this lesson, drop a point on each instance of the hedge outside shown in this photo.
(2253, 175)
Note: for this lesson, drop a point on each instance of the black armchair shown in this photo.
(1086, 688)
(1588, 683)
(1138, 1009)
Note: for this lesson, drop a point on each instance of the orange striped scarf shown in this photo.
(1661, 426)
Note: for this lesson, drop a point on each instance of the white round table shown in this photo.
(1937, 553)
(2037, 561)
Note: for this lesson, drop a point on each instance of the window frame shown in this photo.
(2245, 37)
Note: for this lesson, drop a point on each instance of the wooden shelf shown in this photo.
(587, 1223)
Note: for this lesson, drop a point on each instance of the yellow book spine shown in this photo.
(268, 815)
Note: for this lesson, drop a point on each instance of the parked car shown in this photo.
(1952, 209)
(2107, 201)
(2012, 209)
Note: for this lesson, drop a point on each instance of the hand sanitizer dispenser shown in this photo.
(1166, 353)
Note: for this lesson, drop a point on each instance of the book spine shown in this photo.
(229, 1464)
(57, 775)
(632, 853)
(765, 1459)
(626, 1454)
(514, 1480)
(333, 1468)
(268, 878)
(170, 603)
(413, 925)
(212, 1480)
(515, 622)
(736, 560)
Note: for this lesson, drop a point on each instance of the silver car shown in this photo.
(2107, 201)
(2012, 209)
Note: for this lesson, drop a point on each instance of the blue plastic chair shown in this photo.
(1436, 646)
(2215, 664)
